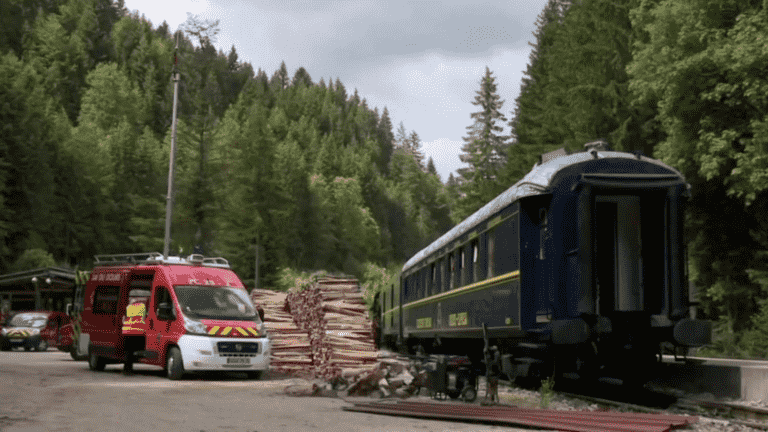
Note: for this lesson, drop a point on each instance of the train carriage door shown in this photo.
(618, 254)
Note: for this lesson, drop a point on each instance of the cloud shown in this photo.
(444, 153)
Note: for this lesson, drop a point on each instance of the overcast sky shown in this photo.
(423, 60)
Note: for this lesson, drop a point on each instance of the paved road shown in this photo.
(48, 391)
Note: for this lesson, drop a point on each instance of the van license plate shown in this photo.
(238, 360)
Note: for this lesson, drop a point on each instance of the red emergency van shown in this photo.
(37, 330)
(182, 314)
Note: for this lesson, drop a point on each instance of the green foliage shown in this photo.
(699, 62)
(288, 278)
(305, 171)
(376, 280)
(485, 150)
(32, 129)
(576, 88)
(32, 259)
(546, 392)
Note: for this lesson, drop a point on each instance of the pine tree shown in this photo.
(280, 80)
(401, 136)
(528, 102)
(413, 146)
(486, 149)
(301, 77)
(431, 167)
(386, 140)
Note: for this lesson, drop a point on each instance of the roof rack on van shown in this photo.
(158, 258)
(134, 258)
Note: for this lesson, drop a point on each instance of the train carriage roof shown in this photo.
(538, 181)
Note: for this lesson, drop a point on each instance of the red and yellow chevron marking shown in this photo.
(18, 333)
(227, 331)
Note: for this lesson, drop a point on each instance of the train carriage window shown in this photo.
(462, 269)
(543, 232)
(439, 276)
(506, 251)
(475, 261)
(432, 279)
(451, 271)
(491, 253)
(407, 289)
(419, 284)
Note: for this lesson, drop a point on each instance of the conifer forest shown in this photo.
(302, 170)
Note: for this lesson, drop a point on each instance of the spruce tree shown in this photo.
(486, 149)
(413, 146)
(431, 167)
(386, 140)
(401, 136)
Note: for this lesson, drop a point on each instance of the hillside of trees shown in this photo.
(684, 82)
(306, 170)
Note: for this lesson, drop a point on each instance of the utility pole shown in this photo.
(256, 264)
(169, 198)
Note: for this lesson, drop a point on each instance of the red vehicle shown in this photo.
(181, 314)
(37, 330)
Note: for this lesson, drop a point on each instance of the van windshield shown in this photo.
(28, 320)
(215, 302)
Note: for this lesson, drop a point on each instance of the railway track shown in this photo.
(754, 417)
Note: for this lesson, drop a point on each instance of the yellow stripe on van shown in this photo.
(226, 331)
(213, 330)
(242, 332)
(253, 330)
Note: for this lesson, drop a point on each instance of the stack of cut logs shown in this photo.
(290, 344)
(327, 331)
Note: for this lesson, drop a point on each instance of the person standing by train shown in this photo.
(492, 373)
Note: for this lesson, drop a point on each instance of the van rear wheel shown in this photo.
(174, 366)
(95, 363)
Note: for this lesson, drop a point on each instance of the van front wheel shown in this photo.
(174, 367)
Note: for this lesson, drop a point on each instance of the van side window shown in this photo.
(105, 300)
(161, 296)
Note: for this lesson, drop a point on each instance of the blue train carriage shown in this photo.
(389, 299)
(578, 270)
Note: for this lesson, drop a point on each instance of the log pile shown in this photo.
(321, 328)
(290, 344)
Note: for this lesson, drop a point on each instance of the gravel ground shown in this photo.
(532, 399)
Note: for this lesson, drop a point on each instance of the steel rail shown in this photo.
(572, 421)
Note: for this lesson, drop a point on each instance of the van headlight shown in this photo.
(262, 328)
(195, 327)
